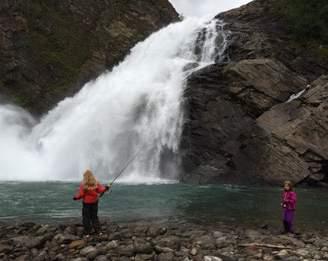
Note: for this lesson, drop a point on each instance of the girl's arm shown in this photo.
(101, 188)
(293, 198)
(80, 193)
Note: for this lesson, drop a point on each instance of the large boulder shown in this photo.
(242, 125)
(48, 49)
(298, 134)
(222, 140)
(262, 83)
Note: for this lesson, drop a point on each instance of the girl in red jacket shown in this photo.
(90, 191)
(289, 206)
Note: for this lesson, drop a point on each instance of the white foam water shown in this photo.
(135, 108)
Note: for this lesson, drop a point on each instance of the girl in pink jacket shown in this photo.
(289, 206)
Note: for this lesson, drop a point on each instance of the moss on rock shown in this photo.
(49, 49)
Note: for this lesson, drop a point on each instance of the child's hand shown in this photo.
(75, 198)
(107, 188)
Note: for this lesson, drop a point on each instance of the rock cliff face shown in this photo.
(48, 49)
(241, 124)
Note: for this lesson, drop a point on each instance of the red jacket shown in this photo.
(90, 196)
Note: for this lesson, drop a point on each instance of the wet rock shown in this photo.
(65, 238)
(282, 253)
(206, 242)
(20, 240)
(155, 231)
(77, 244)
(29, 242)
(79, 259)
(302, 252)
(268, 257)
(165, 257)
(218, 234)
(287, 240)
(112, 244)
(115, 236)
(222, 242)
(159, 249)
(212, 258)
(143, 257)
(142, 247)
(253, 234)
(141, 230)
(321, 242)
(42, 230)
(60, 257)
(88, 250)
(194, 251)
(126, 250)
(101, 258)
(93, 254)
(70, 230)
(23, 258)
(5, 248)
(170, 242)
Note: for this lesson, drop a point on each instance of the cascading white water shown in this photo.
(135, 108)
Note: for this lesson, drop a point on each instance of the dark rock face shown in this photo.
(299, 130)
(258, 31)
(239, 127)
(48, 49)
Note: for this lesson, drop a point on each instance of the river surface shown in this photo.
(45, 201)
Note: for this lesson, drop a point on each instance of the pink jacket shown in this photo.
(289, 199)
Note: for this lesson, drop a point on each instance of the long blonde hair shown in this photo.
(89, 180)
(289, 184)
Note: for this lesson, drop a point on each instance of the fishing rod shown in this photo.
(120, 173)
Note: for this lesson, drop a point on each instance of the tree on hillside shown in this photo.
(307, 19)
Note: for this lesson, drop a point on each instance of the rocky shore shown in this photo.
(162, 241)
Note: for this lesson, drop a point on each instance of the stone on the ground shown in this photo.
(212, 258)
(87, 250)
(77, 244)
(186, 242)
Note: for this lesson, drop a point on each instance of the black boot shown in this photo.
(286, 227)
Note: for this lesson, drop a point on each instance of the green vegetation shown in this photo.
(60, 42)
(307, 20)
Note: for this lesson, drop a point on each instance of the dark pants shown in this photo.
(90, 217)
(288, 220)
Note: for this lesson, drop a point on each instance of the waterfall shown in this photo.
(135, 108)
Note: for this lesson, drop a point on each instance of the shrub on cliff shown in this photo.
(306, 19)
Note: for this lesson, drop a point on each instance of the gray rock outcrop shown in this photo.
(242, 124)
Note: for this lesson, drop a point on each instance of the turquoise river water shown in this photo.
(224, 203)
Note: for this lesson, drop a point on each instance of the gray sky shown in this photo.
(205, 7)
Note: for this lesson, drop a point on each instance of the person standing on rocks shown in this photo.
(90, 191)
(289, 199)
